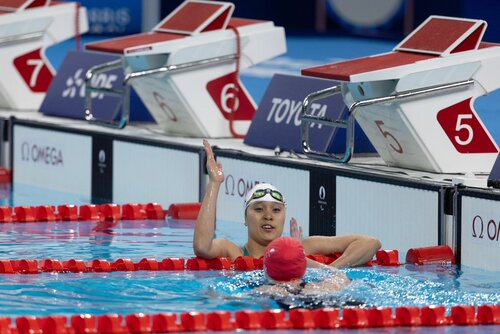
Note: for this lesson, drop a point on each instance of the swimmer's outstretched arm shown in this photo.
(356, 249)
(204, 244)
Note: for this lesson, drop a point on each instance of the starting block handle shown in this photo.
(124, 93)
(349, 122)
(308, 118)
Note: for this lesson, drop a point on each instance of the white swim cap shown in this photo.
(264, 192)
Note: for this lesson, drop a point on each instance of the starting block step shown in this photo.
(186, 71)
(27, 29)
(416, 104)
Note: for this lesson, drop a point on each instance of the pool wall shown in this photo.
(402, 209)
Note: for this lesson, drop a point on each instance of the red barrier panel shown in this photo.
(51, 265)
(184, 210)
(68, 212)
(434, 316)
(133, 211)
(274, 319)
(197, 263)
(45, 213)
(327, 318)
(463, 315)
(193, 321)
(154, 211)
(110, 324)
(54, 324)
(124, 265)
(84, 324)
(249, 320)
(28, 325)
(488, 314)
(5, 214)
(138, 323)
(148, 264)
(355, 318)
(429, 255)
(99, 266)
(172, 264)
(380, 317)
(110, 212)
(219, 321)
(165, 323)
(75, 266)
(302, 319)
(388, 257)
(89, 212)
(24, 214)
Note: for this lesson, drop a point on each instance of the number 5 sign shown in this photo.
(465, 131)
(32, 68)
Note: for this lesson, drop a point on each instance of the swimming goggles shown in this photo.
(259, 193)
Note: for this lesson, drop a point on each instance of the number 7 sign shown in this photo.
(35, 73)
(465, 131)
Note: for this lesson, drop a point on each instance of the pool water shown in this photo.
(180, 291)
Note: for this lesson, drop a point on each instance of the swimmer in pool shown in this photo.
(285, 264)
(265, 208)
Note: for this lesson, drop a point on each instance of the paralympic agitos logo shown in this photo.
(48, 155)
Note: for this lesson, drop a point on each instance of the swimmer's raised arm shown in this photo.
(356, 249)
(204, 244)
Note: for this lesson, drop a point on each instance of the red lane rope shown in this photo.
(326, 318)
(242, 263)
(103, 212)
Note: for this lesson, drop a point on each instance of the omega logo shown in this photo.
(48, 155)
(480, 229)
(239, 186)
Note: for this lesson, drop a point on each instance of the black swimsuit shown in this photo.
(298, 300)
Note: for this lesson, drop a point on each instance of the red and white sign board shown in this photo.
(205, 97)
(27, 29)
(438, 132)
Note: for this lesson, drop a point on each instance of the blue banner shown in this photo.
(114, 17)
(277, 122)
(66, 94)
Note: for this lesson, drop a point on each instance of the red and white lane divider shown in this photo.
(327, 318)
(437, 254)
(103, 212)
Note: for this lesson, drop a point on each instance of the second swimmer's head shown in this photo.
(285, 259)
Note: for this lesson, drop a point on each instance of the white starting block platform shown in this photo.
(416, 104)
(186, 70)
(27, 29)
(140, 164)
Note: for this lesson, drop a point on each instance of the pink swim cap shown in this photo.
(285, 259)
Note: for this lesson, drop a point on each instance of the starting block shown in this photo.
(186, 69)
(27, 29)
(416, 103)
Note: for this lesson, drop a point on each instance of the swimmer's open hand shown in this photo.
(295, 230)
(214, 169)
